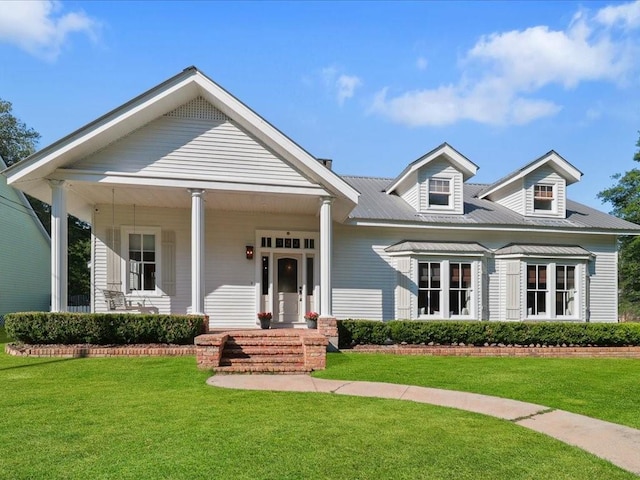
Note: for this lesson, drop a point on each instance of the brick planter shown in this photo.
(82, 351)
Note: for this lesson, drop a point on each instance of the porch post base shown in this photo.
(328, 327)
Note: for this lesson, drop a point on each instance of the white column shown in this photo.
(325, 257)
(58, 246)
(197, 251)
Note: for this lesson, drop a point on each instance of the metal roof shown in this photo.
(376, 205)
(545, 250)
(436, 247)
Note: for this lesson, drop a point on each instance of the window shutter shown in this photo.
(112, 246)
(168, 262)
(513, 290)
(403, 288)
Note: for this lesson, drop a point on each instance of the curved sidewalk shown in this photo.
(616, 443)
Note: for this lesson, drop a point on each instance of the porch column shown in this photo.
(197, 251)
(58, 245)
(325, 257)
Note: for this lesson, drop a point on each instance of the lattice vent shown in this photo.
(199, 109)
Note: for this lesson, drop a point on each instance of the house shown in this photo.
(199, 205)
(25, 254)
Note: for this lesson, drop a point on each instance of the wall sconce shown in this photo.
(249, 252)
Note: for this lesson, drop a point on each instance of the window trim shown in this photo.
(554, 199)
(445, 286)
(580, 268)
(124, 252)
(450, 204)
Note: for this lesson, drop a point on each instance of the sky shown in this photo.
(371, 85)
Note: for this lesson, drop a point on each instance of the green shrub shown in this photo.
(415, 332)
(102, 329)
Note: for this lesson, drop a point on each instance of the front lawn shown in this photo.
(139, 418)
(602, 388)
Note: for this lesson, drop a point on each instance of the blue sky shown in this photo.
(371, 85)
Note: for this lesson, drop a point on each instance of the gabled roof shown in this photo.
(176, 91)
(377, 208)
(570, 173)
(462, 163)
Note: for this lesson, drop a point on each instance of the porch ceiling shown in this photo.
(168, 197)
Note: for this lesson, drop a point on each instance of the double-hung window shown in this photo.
(536, 289)
(543, 198)
(439, 192)
(429, 288)
(141, 255)
(459, 288)
(565, 290)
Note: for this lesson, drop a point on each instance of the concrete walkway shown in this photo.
(616, 443)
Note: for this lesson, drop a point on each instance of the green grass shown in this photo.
(139, 418)
(608, 389)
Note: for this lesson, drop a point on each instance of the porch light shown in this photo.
(249, 252)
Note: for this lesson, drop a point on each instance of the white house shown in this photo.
(25, 252)
(199, 205)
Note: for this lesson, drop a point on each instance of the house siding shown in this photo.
(440, 169)
(25, 265)
(545, 175)
(512, 197)
(202, 146)
(409, 191)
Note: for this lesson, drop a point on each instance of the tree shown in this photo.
(17, 141)
(625, 199)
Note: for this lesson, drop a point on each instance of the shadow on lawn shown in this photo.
(39, 363)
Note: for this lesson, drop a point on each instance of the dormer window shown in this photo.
(543, 198)
(440, 192)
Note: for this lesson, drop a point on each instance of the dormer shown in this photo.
(434, 183)
(538, 189)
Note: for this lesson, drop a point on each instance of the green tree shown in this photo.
(17, 141)
(624, 196)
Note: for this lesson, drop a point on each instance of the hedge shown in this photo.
(102, 328)
(415, 332)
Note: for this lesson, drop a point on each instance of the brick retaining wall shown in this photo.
(82, 351)
(513, 351)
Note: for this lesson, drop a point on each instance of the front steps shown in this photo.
(282, 351)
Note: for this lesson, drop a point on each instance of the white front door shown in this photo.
(288, 283)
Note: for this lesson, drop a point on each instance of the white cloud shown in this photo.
(503, 71)
(421, 63)
(40, 27)
(627, 15)
(340, 84)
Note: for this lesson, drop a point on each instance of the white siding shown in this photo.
(409, 191)
(547, 176)
(512, 197)
(603, 294)
(207, 147)
(440, 169)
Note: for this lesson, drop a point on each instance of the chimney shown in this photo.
(326, 162)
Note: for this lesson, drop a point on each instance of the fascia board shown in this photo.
(414, 253)
(542, 256)
(467, 167)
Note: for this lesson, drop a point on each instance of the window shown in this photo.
(536, 289)
(429, 288)
(543, 198)
(142, 261)
(565, 290)
(439, 192)
(459, 288)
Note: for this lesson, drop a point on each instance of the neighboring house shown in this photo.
(25, 254)
(199, 205)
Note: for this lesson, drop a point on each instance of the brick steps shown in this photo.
(262, 351)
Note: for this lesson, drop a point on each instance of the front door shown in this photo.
(288, 289)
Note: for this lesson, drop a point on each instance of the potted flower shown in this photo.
(265, 320)
(312, 319)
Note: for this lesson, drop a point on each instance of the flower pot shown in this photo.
(312, 323)
(265, 323)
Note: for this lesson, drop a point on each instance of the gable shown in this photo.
(194, 141)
